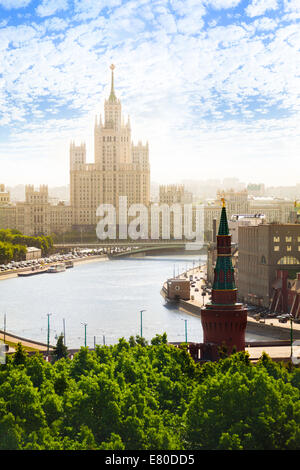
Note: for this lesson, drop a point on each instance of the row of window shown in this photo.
(288, 239)
(288, 248)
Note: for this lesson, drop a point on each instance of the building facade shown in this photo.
(120, 168)
(264, 249)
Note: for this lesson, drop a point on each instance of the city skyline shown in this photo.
(211, 83)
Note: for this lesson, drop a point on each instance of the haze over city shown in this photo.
(212, 85)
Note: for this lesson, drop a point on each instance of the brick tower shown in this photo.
(223, 319)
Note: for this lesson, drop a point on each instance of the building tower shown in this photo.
(223, 319)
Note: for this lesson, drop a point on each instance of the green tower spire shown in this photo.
(224, 271)
(223, 227)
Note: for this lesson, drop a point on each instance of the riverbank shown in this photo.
(83, 260)
(270, 328)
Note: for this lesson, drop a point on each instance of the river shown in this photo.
(101, 300)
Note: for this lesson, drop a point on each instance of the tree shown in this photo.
(20, 356)
(60, 351)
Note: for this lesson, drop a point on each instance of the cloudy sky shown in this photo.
(213, 85)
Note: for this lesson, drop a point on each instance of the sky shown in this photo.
(212, 85)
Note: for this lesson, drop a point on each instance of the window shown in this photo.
(276, 248)
(288, 248)
(288, 260)
(276, 239)
(288, 239)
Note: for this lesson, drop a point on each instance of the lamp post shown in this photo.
(48, 332)
(185, 329)
(141, 312)
(4, 328)
(291, 320)
(85, 325)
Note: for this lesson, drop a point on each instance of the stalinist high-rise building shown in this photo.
(120, 168)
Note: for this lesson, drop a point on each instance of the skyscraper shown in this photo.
(120, 168)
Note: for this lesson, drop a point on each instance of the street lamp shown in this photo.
(85, 325)
(141, 312)
(185, 328)
(48, 332)
(291, 320)
(4, 328)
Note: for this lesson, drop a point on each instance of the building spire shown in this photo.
(224, 288)
(223, 227)
(112, 96)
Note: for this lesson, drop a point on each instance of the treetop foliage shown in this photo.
(13, 244)
(134, 395)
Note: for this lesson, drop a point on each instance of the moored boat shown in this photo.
(56, 268)
(69, 264)
(32, 272)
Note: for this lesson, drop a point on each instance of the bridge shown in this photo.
(118, 248)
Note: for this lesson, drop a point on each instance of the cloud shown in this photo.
(219, 4)
(292, 5)
(10, 4)
(259, 7)
(265, 24)
(49, 7)
(231, 85)
(85, 9)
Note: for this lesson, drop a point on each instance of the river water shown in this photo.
(107, 296)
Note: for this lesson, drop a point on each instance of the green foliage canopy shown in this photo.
(134, 395)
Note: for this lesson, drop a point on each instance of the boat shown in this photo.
(69, 264)
(56, 268)
(33, 272)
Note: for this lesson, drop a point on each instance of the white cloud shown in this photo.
(9, 4)
(259, 7)
(49, 7)
(86, 9)
(265, 24)
(219, 4)
(292, 5)
(196, 91)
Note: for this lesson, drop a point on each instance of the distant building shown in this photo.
(263, 249)
(174, 193)
(4, 196)
(33, 253)
(256, 189)
(240, 203)
(178, 289)
(237, 221)
(286, 294)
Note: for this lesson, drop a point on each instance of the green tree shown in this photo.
(60, 351)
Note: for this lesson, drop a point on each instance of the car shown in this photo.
(283, 318)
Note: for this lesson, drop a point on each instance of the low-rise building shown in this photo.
(33, 253)
(178, 289)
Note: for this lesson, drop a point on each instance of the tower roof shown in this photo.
(223, 227)
(112, 96)
(224, 272)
